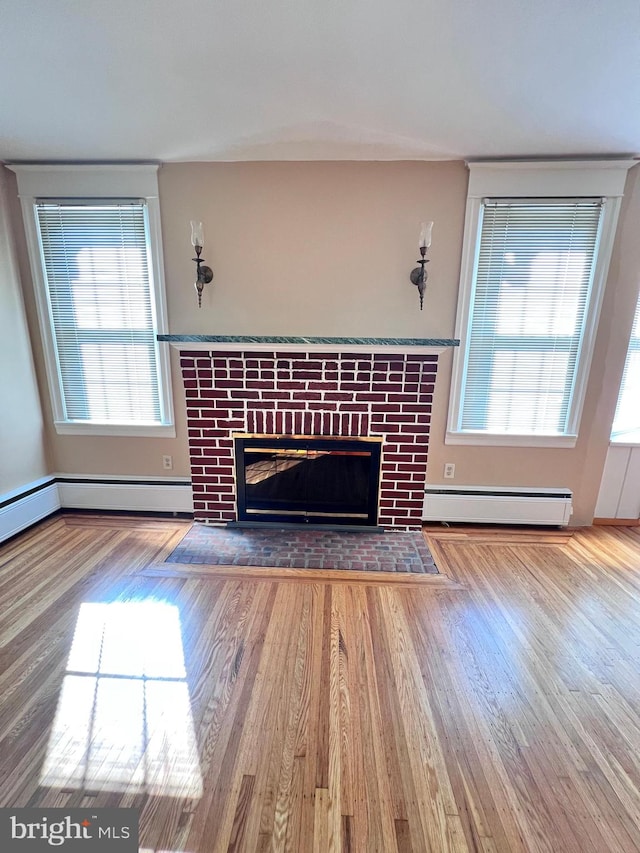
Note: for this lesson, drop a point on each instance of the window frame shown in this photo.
(534, 180)
(105, 183)
(628, 438)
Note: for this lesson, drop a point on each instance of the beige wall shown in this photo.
(313, 248)
(326, 249)
(22, 452)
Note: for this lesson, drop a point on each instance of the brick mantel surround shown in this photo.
(353, 388)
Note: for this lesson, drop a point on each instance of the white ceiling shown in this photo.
(318, 79)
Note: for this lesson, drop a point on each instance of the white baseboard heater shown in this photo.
(497, 505)
(34, 501)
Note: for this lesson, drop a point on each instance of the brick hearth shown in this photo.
(315, 394)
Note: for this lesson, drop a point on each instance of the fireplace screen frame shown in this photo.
(250, 511)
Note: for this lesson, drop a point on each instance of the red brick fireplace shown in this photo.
(306, 393)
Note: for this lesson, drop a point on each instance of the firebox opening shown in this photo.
(307, 480)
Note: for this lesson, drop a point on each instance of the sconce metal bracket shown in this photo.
(204, 274)
(419, 275)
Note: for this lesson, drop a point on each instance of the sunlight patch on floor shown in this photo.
(124, 721)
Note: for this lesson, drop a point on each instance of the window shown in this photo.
(530, 297)
(626, 424)
(100, 303)
(531, 292)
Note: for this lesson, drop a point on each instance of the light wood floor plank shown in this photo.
(494, 708)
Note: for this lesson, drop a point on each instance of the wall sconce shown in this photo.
(419, 274)
(204, 273)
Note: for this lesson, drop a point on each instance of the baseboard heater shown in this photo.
(503, 505)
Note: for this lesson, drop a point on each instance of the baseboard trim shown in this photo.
(617, 522)
(26, 506)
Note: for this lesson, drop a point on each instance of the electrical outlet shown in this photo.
(167, 463)
(449, 470)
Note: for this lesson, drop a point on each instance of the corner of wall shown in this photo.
(21, 422)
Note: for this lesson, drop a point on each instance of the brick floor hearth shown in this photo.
(391, 551)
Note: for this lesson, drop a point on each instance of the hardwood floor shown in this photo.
(496, 711)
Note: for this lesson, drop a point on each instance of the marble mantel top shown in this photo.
(312, 344)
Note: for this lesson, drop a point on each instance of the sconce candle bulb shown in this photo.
(419, 274)
(197, 234)
(204, 273)
(425, 235)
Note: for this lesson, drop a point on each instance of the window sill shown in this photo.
(481, 439)
(629, 439)
(130, 430)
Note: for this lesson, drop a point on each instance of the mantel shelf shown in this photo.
(310, 344)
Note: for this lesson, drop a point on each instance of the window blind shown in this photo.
(627, 418)
(532, 283)
(99, 289)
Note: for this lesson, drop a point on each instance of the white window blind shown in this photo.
(626, 424)
(531, 290)
(99, 288)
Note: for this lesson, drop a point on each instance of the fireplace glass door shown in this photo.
(307, 480)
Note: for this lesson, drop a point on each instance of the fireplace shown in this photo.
(282, 389)
(307, 480)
